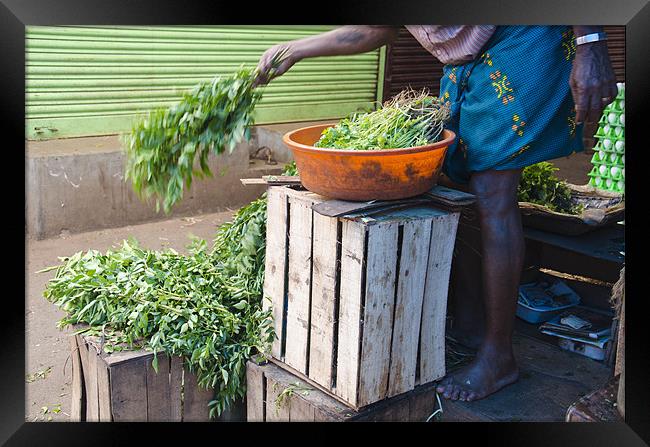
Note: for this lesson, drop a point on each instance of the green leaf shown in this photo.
(241, 305)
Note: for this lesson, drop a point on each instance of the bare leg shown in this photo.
(466, 291)
(502, 246)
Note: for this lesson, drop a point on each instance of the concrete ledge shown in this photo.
(77, 184)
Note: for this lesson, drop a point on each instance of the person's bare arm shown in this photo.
(593, 83)
(352, 39)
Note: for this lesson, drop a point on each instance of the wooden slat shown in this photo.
(408, 305)
(158, 390)
(300, 410)
(92, 392)
(104, 391)
(299, 283)
(323, 300)
(351, 295)
(274, 284)
(275, 413)
(434, 306)
(378, 312)
(77, 381)
(422, 403)
(196, 399)
(175, 384)
(129, 391)
(325, 407)
(254, 393)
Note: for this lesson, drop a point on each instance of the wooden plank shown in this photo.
(175, 388)
(158, 390)
(300, 410)
(129, 391)
(299, 284)
(254, 392)
(408, 305)
(272, 180)
(195, 399)
(597, 406)
(92, 391)
(116, 358)
(103, 391)
(323, 300)
(434, 305)
(326, 407)
(274, 411)
(77, 382)
(275, 261)
(396, 410)
(351, 295)
(337, 208)
(451, 195)
(604, 244)
(378, 312)
(422, 403)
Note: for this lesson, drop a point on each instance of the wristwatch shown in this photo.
(588, 38)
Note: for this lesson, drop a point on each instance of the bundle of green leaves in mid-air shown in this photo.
(412, 118)
(163, 146)
(540, 185)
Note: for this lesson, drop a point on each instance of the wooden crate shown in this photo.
(124, 387)
(359, 304)
(265, 382)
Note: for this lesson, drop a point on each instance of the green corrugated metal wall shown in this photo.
(93, 80)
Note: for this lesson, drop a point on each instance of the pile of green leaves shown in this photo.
(163, 147)
(407, 120)
(205, 306)
(540, 185)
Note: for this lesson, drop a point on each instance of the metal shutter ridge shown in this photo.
(94, 80)
(409, 65)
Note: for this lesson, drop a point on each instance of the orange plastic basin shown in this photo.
(386, 174)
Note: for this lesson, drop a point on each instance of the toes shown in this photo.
(455, 393)
(463, 395)
(472, 396)
(448, 390)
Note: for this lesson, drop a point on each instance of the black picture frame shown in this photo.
(635, 15)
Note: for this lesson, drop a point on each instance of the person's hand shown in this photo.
(266, 70)
(593, 83)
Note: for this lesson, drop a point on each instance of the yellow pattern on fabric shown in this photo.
(486, 59)
(568, 44)
(502, 86)
(519, 152)
(452, 75)
(518, 125)
(572, 124)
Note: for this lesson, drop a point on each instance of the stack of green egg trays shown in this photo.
(608, 172)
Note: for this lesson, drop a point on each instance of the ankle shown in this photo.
(496, 349)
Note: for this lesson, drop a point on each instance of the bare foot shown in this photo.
(490, 371)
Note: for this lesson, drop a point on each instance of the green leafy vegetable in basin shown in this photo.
(412, 118)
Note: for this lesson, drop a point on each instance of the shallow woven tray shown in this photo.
(602, 209)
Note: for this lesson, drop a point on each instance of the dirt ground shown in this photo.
(48, 368)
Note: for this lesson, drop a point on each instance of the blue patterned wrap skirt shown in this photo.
(512, 106)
